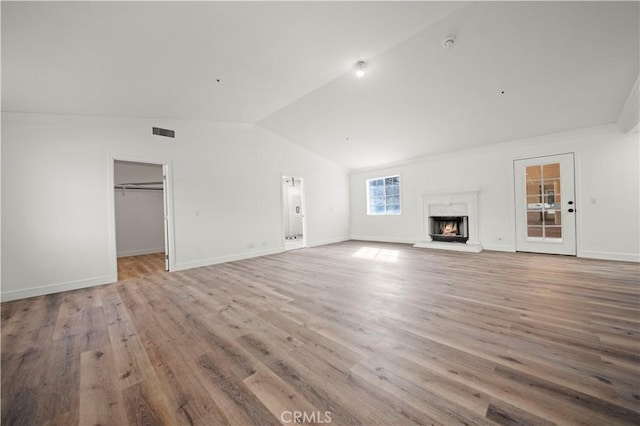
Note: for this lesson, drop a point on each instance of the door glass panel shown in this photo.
(551, 171)
(534, 219)
(552, 218)
(534, 231)
(534, 202)
(544, 208)
(533, 172)
(553, 231)
(533, 181)
(553, 200)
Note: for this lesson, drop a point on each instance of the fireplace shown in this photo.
(453, 229)
(448, 218)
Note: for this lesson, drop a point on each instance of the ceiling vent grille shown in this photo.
(164, 132)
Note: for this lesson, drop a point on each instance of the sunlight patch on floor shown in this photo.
(381, 255)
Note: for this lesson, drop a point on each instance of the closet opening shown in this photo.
(141, 225)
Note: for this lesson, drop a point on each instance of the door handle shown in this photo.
(570, 202)
(570, 210)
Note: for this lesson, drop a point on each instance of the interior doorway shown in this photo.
(293, 218)
(141, 220)
(545, 204)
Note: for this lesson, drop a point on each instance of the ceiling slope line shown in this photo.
(629, 118)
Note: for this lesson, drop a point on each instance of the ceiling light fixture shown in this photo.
(360, 66)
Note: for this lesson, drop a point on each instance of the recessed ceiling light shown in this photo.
(360, 66)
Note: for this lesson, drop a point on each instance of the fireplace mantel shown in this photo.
(461, 203)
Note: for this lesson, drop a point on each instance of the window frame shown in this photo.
(368, 191)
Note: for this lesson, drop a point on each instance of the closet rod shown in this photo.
(133, 188)
(139, 183)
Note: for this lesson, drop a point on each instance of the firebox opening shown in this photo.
(453, 229)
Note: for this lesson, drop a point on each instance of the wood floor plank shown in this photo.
(21, 373)
(362, 332)
(341, 356)
(306, 382)
(25, 326)
(425, 393)
(240, 405)
(141, 410)
(479, 373)
(278, 396)
(345, 387)
(62, 371)
(502, 414)
(88, 324)
(22, 408)
(100, 399)
(600, 382)
(186, 398)
(138, 379)
(598, 408)
(132, 364)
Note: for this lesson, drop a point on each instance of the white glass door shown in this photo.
(545, 204)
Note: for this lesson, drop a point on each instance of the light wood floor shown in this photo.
(138, 266)
(375, 334)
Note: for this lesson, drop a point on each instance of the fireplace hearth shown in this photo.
(451, 229)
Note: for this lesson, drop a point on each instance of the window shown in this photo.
(383, 195)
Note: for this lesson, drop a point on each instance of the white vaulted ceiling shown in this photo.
(288, 66)
(162, 59)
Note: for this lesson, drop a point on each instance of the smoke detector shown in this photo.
(449, 41)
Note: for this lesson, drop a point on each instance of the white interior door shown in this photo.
(545, 204)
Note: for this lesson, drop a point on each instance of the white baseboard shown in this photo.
(57, 288)
(382, 239)
(499, 247)
(140, 252)
(438, 245)
(223, 259)
(247, 255)
(325, 242)
(605, 255)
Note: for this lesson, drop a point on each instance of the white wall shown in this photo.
(57, 214)
(139, 213)
(607, 167)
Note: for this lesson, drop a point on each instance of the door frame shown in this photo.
(169, 228)
(284, 176)
(576, 213)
